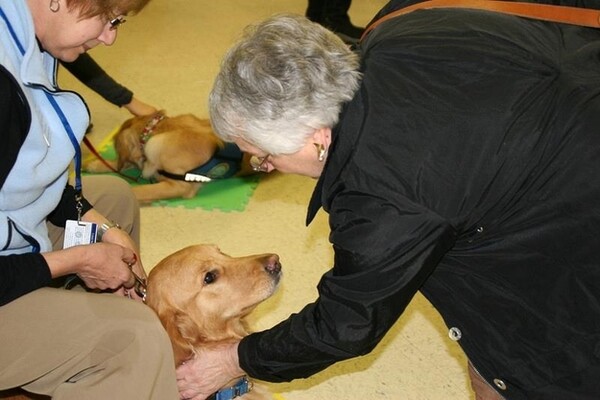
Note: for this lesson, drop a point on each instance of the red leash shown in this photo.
(106, 163)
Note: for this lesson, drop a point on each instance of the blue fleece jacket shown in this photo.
(35, 184)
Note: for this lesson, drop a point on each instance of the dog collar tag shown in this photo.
(241, 387)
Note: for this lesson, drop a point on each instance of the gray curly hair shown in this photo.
(285, 78)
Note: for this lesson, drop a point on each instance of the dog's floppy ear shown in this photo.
(127, 145)
(172, 320)
(170, 316)
(190, 330)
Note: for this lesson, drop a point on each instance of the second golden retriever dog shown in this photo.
(179, 153)
(202, 297)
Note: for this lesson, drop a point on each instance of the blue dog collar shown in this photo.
(224, 164)
(240, 388)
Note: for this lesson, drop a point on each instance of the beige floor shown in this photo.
(169, 55)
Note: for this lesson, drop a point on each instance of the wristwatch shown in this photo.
(105, 227)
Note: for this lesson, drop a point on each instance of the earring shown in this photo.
(54, 6)
(321, 151)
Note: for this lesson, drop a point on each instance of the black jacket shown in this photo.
(466, 167)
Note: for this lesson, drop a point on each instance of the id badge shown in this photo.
(78, 233)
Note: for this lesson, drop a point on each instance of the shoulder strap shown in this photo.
(546, 12)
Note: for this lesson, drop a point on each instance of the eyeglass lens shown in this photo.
(259, 164)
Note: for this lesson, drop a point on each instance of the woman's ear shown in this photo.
(322, 136)
(322, 139)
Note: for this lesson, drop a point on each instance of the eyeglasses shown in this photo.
(259, 164)
(116, 22)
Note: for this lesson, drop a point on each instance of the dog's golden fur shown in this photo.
(202, 296)
(177, 144)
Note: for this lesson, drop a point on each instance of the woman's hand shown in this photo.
(138, 108)
(213, 367)
(106, 267)
(101, 266)
(120, 237)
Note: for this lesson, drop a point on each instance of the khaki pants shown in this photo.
(76, 345)
(482, 389)
(580, 385)
(79, 345)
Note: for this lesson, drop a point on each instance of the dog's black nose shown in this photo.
(273, 266)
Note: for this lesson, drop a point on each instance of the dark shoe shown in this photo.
(349, 33)
(315, 11)
(314, 16)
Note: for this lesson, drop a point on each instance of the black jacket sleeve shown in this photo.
(383, 254)
(93, 76)
(21, 274)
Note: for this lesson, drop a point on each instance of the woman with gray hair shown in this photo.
(285, 83)
(462, 166)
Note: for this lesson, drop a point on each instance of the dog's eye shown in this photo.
(210, 277)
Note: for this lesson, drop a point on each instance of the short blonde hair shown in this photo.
(106, 8)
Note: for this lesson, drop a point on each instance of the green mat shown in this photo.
(231, 194)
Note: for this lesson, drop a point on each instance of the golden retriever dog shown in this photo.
(179, 153)
(202, 297)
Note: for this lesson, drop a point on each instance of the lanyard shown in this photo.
(63, 120)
